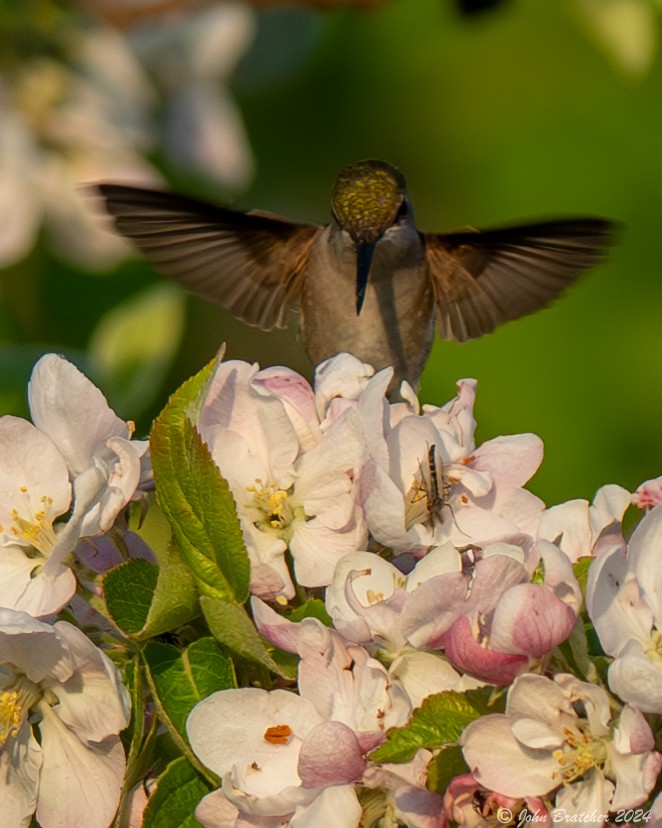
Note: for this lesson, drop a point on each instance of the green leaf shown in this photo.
(129, 365)
(439, 721)
(178, 791)
(175, 599)
(197, 500)
(128, 590)
(313, 608)
(231, 625)
(145, 600)
(444, 767)
(179, 680)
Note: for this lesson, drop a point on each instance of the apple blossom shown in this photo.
(62, 706)
(623, 601)
(278, 758)
(64, 478)
(288, 498)
(581, 529)
(363, 696)
(92, 439)
(561, 734)
(489, 614)
(425, 482)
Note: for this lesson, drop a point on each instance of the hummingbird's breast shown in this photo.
(396, 323)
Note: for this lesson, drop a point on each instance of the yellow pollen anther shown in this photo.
(15, 705)
(274, 505)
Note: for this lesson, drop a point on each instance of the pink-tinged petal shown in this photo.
(20, 765)
(418, 807)
(260, 421)
(633, 734)
(512, 460)
(469, 656)
(530, 620)
(432, 608)
(93, 703)
(80, 782)
(498, 762)
(267, 582)
(67, 407)
(330, 755)
(648, 494)
(277, 630)
(636, 776)
(298, 399)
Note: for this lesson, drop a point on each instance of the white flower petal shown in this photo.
(20, 764)
(80, 782)
(93, 703)
(72, 411)
(511, 769)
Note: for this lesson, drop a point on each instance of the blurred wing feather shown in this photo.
(252, 264)
(482, 279)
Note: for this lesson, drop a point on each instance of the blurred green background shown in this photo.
(517, 113)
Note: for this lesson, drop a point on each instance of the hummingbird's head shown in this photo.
(367, 197)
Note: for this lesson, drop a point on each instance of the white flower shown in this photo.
(55, 683)
(623, 598)
(77, 460)
(278, 758)
(561, 733)
(61, 126)
(293, 483)
(191, 57)
(426, 482)
(92, 439)
(582, 529)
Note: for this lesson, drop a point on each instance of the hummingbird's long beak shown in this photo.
(364, 251)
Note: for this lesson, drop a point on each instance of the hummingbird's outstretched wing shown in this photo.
(252, 264)
(484, 278)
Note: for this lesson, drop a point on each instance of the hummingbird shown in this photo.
(369, 282)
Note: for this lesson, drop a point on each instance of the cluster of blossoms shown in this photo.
(441, 576)
(87, 101)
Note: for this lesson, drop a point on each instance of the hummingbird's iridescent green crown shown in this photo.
(366, 199)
